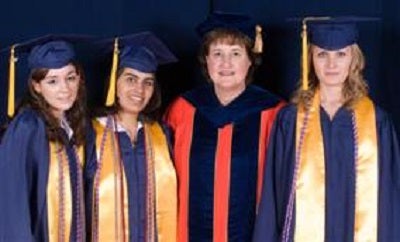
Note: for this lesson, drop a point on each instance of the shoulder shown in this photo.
(383, 118)
(256, 99)
(26, 128)
(97, 127)
(159, 125)
(287, 113)
(381, 114)
(262, 93)
(28, 119)
(286, 118)
(164, 126)
(179, 110)
(159, 129)
(99, 121)
(179, 103)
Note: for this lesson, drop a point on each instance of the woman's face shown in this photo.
(134, 90)
(228, 65)
(332, 67)
(59, 88)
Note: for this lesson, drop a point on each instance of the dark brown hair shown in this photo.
(151, 111)
(230, 37)
(76, 115)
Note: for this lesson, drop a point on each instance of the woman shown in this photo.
(133, 192)
(42, 150)
(338, 179)
(220, 134)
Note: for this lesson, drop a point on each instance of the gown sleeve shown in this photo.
(277, 179)
(22, 202)
(89, 173)
(389, 179)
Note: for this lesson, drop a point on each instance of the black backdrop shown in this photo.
(174, 22)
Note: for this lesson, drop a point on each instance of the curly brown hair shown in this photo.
(231, 37)
(76, 115)
(354, 87)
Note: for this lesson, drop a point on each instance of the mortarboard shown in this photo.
(233, 21)
(141, 51)
(49, 51)
(330, 33)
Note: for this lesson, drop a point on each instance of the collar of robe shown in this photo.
(252, 100)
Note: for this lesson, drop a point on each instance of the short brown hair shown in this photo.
(230, 37)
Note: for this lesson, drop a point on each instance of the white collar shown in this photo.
(118, 127)
(65, 125)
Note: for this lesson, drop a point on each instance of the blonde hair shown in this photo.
(354, 87)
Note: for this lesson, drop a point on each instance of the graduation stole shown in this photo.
(309, 176)
(59, 195)
(110, 205)
(110, 197)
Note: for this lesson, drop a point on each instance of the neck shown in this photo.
(331, 99)
(129, 121)
(58, 114)
(226, 96)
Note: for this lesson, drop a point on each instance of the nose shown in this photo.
(331, 62)
(226, 61)
(139, 86)
(65, 85)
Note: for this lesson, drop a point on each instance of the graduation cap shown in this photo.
(49, 51)
(233, 21)
(330, 33)
(141, 51)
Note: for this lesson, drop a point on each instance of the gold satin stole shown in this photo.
(59, 193)
(310, 186)
(113, 218)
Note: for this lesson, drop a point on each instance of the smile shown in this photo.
(226, 73)
(331, 73)
(136, 98)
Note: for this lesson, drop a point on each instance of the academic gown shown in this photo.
(135, 169)
(219, 154)
(24, 171)
(340, 178)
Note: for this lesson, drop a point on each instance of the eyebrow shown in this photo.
(136, 76)
(50, 77)
(234, 48)
(128, 74)
(150, 78)
(54, 76)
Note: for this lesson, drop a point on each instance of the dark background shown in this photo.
(174, 22)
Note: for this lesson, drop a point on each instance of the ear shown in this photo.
(36, 86)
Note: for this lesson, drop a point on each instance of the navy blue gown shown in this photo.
(199, 122)
(24, 168)
(135, 168)
(339, 167)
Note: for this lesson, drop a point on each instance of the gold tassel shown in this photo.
(258, 41)
(304, 56)
(113, 76)
(11, 83)
(304, 49)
